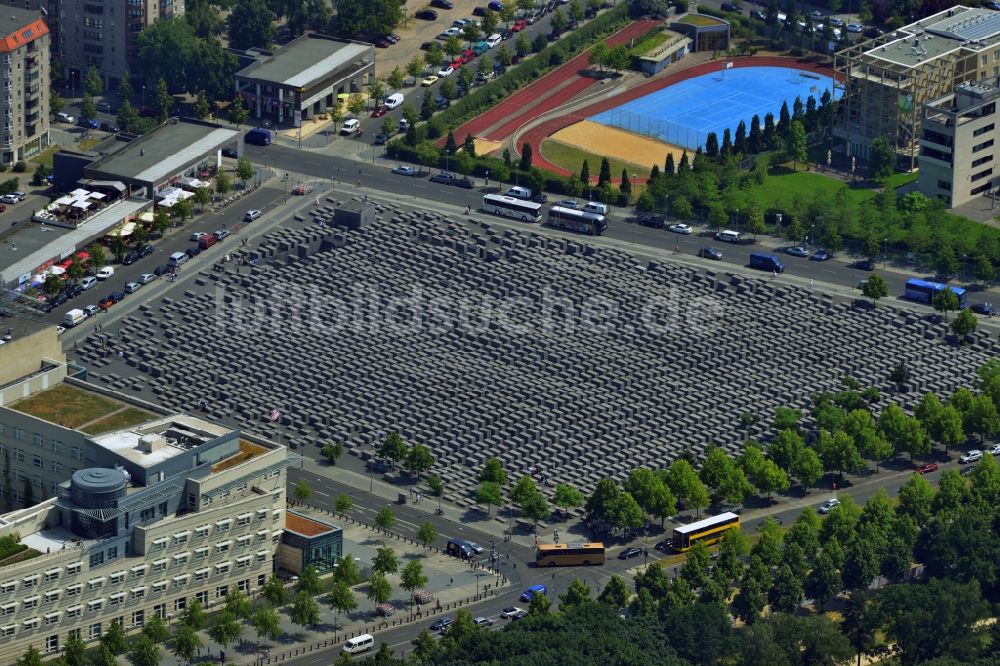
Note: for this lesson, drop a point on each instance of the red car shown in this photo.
(458, 62)
(380, 111)
(468, 55)
(519, 25)
(927, 469)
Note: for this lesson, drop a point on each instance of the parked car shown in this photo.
(730, 7)
(679, 228)
(426, 15)
(429, 81)
(130, 258)
(88, 282)
(969, 471)
(146, 250)
(652, 221)
(797, 251)
(105, 273)
(132, 287)
(975, 455)
(927, 469)
(464, 183)
(88, 123)
(994, 451)
(91, 310)
(855, 27)
(248, 216)
(198, 235)
(710, 253)
(512, 612)
(380, 139)
(664, 545)
(986, 309)
(442, 4)
(483, 621)
(442, 102)
(350, 126)
(495, 5)
(104, 107)
(443, 178)
(403, 170)
(65, 118)
(193, 251)
(220, 233)
(828, 505)
(146, 278)
(9, 199)
(108, 127)
(864, 265)
(529, 594)
(380, 111)
(820, 255)
(445, 71)
(540, 198)
(629, 553)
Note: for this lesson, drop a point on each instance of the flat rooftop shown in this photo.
(940, 34)
(307, 527)
(90, 412)
(165, 150)
(37, 243)
(172, 434)
(305, 61)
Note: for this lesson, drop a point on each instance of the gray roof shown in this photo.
(164, 151)
(305, 61)
(98, 225)
(932, 37)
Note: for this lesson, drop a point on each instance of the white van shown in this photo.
(350, 126)
(728, 236)
(73, 317)
(178, 259)
(359, 644)
(519, 193)
(493, 40)
(596, 207)
(392, 101)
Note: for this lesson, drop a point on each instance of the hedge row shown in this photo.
(489, 95)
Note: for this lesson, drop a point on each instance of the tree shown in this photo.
(418, 459)
(577, 594)
(238, 113)
(187, 643)
(983, 269)
(615, 593)
(356, 104)
(244, 169)
(275, 592)
(308, 581)
(683, 481)
(87, 107)
(239, 604)
(163, 101)
(31, 657)
(305, 610)
(823, 582)
(982, 419)
(535, 507)
(493, 471)
(103, 657)
(144, 653)
(266, 623)
(93, 85)
(302, 491)
(202, 109)
(875, 288)
(427, 534)
(567, 497)
(389, 125)
(343, 503)
(526, 157)
(945, 301)
(436, 485)
(341, 599)
(604, 177)
(385, 519)
(807, 468)
(156, 629)
(332, 451)
(393, 447)
(114, 639)
(785, 594)
(489, 493)
(425, 646)
(558, 21)
(249, 25)
(859, 623)
(74, 651)
(795, 144)
(619, 58)
(412, 577)
(346, 571)
(965, 324)
(504, 55)
(226, 630)
(598, 54)
(379, 589)
(222, 182)
(385, 561)
(881, 160)
(448, 88)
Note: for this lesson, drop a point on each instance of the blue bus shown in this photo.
(924, 290)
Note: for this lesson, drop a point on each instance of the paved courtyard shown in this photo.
(556, 356)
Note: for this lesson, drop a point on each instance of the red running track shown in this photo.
(521, 106)
(535, 135)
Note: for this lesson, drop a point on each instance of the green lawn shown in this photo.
(46, 156)
(648, 44)
(783, 186)
(571, 157)
(700, 20)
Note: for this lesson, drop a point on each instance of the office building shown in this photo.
(142, 512)
(887, 80)
(24, 102)
(958, 145)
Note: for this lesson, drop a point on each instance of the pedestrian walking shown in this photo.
(774, 274)
(811, 282)
(451, 580)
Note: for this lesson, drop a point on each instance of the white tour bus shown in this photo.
(501, 204)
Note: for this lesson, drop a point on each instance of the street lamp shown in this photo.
(885, 252)
(812, 234)
(964, 259)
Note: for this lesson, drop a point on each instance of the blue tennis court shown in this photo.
(683, 114)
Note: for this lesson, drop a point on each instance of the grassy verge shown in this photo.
(125, 418)
(45, 158)
(571, 158)
(783, 186)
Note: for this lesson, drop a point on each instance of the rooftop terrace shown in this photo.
(87, 411)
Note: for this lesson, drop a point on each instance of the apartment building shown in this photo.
(24, 100)
(146, 511)
(888, 80)
(959, 145)
(102, 33)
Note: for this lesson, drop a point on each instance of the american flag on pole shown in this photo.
(275, 414)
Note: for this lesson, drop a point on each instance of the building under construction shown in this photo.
(887, 80)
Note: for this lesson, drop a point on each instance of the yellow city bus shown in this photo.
(708, 531)
(569, 554)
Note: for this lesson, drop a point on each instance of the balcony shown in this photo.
(93, 49)
(31, 118)
(32, 91)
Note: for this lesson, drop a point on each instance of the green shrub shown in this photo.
(20, 167)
